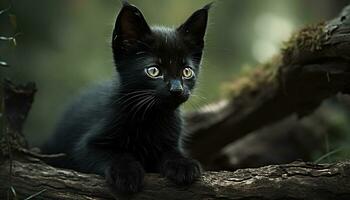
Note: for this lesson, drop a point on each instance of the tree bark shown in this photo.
(313, 66)
(289, 140)
(297, 180)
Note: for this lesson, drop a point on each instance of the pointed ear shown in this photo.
(130, 24)
(195, 26)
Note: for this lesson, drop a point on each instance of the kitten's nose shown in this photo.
(176, 87)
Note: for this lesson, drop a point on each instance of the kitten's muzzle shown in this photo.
(175, 87)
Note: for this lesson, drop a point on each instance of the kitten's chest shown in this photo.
(152, 132)
(152, 135)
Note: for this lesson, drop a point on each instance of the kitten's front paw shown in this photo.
(125, 178)
(182, 171)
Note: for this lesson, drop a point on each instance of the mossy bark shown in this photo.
(312, 66)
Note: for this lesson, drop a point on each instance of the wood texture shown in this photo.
(297, 180)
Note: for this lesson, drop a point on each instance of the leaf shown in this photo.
(5, 38)
(12, 39)
(5, 10)
(329, 154)
(14, 42)
(14, 193)
(3, 64)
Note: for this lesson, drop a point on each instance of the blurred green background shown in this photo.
(64, 45)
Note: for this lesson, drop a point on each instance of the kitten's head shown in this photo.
(164, 61)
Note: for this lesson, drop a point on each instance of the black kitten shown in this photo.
(133, 124)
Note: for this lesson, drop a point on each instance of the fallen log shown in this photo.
(295, 181)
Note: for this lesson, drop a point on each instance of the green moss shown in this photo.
(309, 39)
(253, 79)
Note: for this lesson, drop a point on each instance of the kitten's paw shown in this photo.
(125, 178)
(182, 171)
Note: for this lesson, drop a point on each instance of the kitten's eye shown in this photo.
(153, 72)
(187, 73)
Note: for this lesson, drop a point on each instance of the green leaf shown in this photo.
(5, 10)
(3, 64)
(14, 193)
(6, 38)
(12, 39)
(331, 153)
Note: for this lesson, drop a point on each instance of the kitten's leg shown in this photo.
(125, 174)
(179, 169)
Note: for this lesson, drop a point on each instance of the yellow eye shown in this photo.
(153, 72)
(187, 73)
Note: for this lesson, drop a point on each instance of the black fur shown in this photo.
(132, 125)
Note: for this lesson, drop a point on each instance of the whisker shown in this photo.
(149, 106)
(139, 105)
(125, 99)
(194, 106)
(137, 101)
(134, 94)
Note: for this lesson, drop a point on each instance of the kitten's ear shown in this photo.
(130, 24)
(195, 26)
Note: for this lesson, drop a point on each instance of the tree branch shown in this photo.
(291, 181)
(313, 66)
